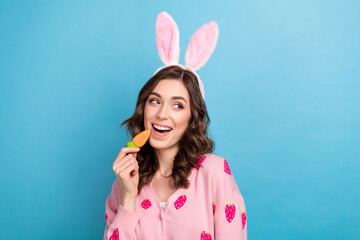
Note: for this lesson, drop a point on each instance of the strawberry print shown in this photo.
(115, 235)
(106, 217)
(201, 160)
(180, 201)
(214, 206)
(243, 219)
(205, 235)
(146, 203)
(230, 211)
(226, 167)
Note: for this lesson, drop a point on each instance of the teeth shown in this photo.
(161, 128)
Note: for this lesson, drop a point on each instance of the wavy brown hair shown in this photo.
(194, 143)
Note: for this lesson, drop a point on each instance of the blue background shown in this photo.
(282, 91)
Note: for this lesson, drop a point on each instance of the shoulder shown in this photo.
(214, 164)
(215, 169)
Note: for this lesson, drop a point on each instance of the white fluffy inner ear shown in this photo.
(167, 39)
(202, 45)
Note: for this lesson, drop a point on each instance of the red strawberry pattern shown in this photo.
(180, 201)
(146, 203)
(230, 211)
(226, 167)
(201, 160)
(214, 206)
(205, 235)
(106, 217)
(243, 219)
(115, 235)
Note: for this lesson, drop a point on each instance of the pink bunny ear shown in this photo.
(202, 45)
(167, 39)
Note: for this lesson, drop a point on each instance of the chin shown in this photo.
(160, 145)
(157, 144)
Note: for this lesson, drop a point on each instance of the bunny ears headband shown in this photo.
(200, 48)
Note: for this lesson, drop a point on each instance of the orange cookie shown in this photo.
(140, 139)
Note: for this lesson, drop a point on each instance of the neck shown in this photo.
(166, 159)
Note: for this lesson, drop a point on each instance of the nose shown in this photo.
(163, 112)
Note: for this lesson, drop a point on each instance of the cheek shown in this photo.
(183, 120)
(147, 114)
(150, 113)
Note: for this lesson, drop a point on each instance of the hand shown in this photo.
(126, 169)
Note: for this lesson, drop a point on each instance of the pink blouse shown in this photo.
(211, 208)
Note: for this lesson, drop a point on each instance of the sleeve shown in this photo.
(120, 223)
(229, 212)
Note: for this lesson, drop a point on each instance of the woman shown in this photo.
(173, 187)
(174, 169)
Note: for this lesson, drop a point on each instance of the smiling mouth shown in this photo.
(161, 129)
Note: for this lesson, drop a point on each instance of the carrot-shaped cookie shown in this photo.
(140, 139)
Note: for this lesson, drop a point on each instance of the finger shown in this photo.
(131, 170)
(125, 174)
(136, 170)
(133, 154)
(125, 151)
(121, 167)
(125, 160)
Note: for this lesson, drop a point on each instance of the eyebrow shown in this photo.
(174, 97)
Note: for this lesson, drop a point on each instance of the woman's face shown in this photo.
(167, 113)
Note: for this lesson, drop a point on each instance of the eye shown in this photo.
(154, 101)
(178, 106)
